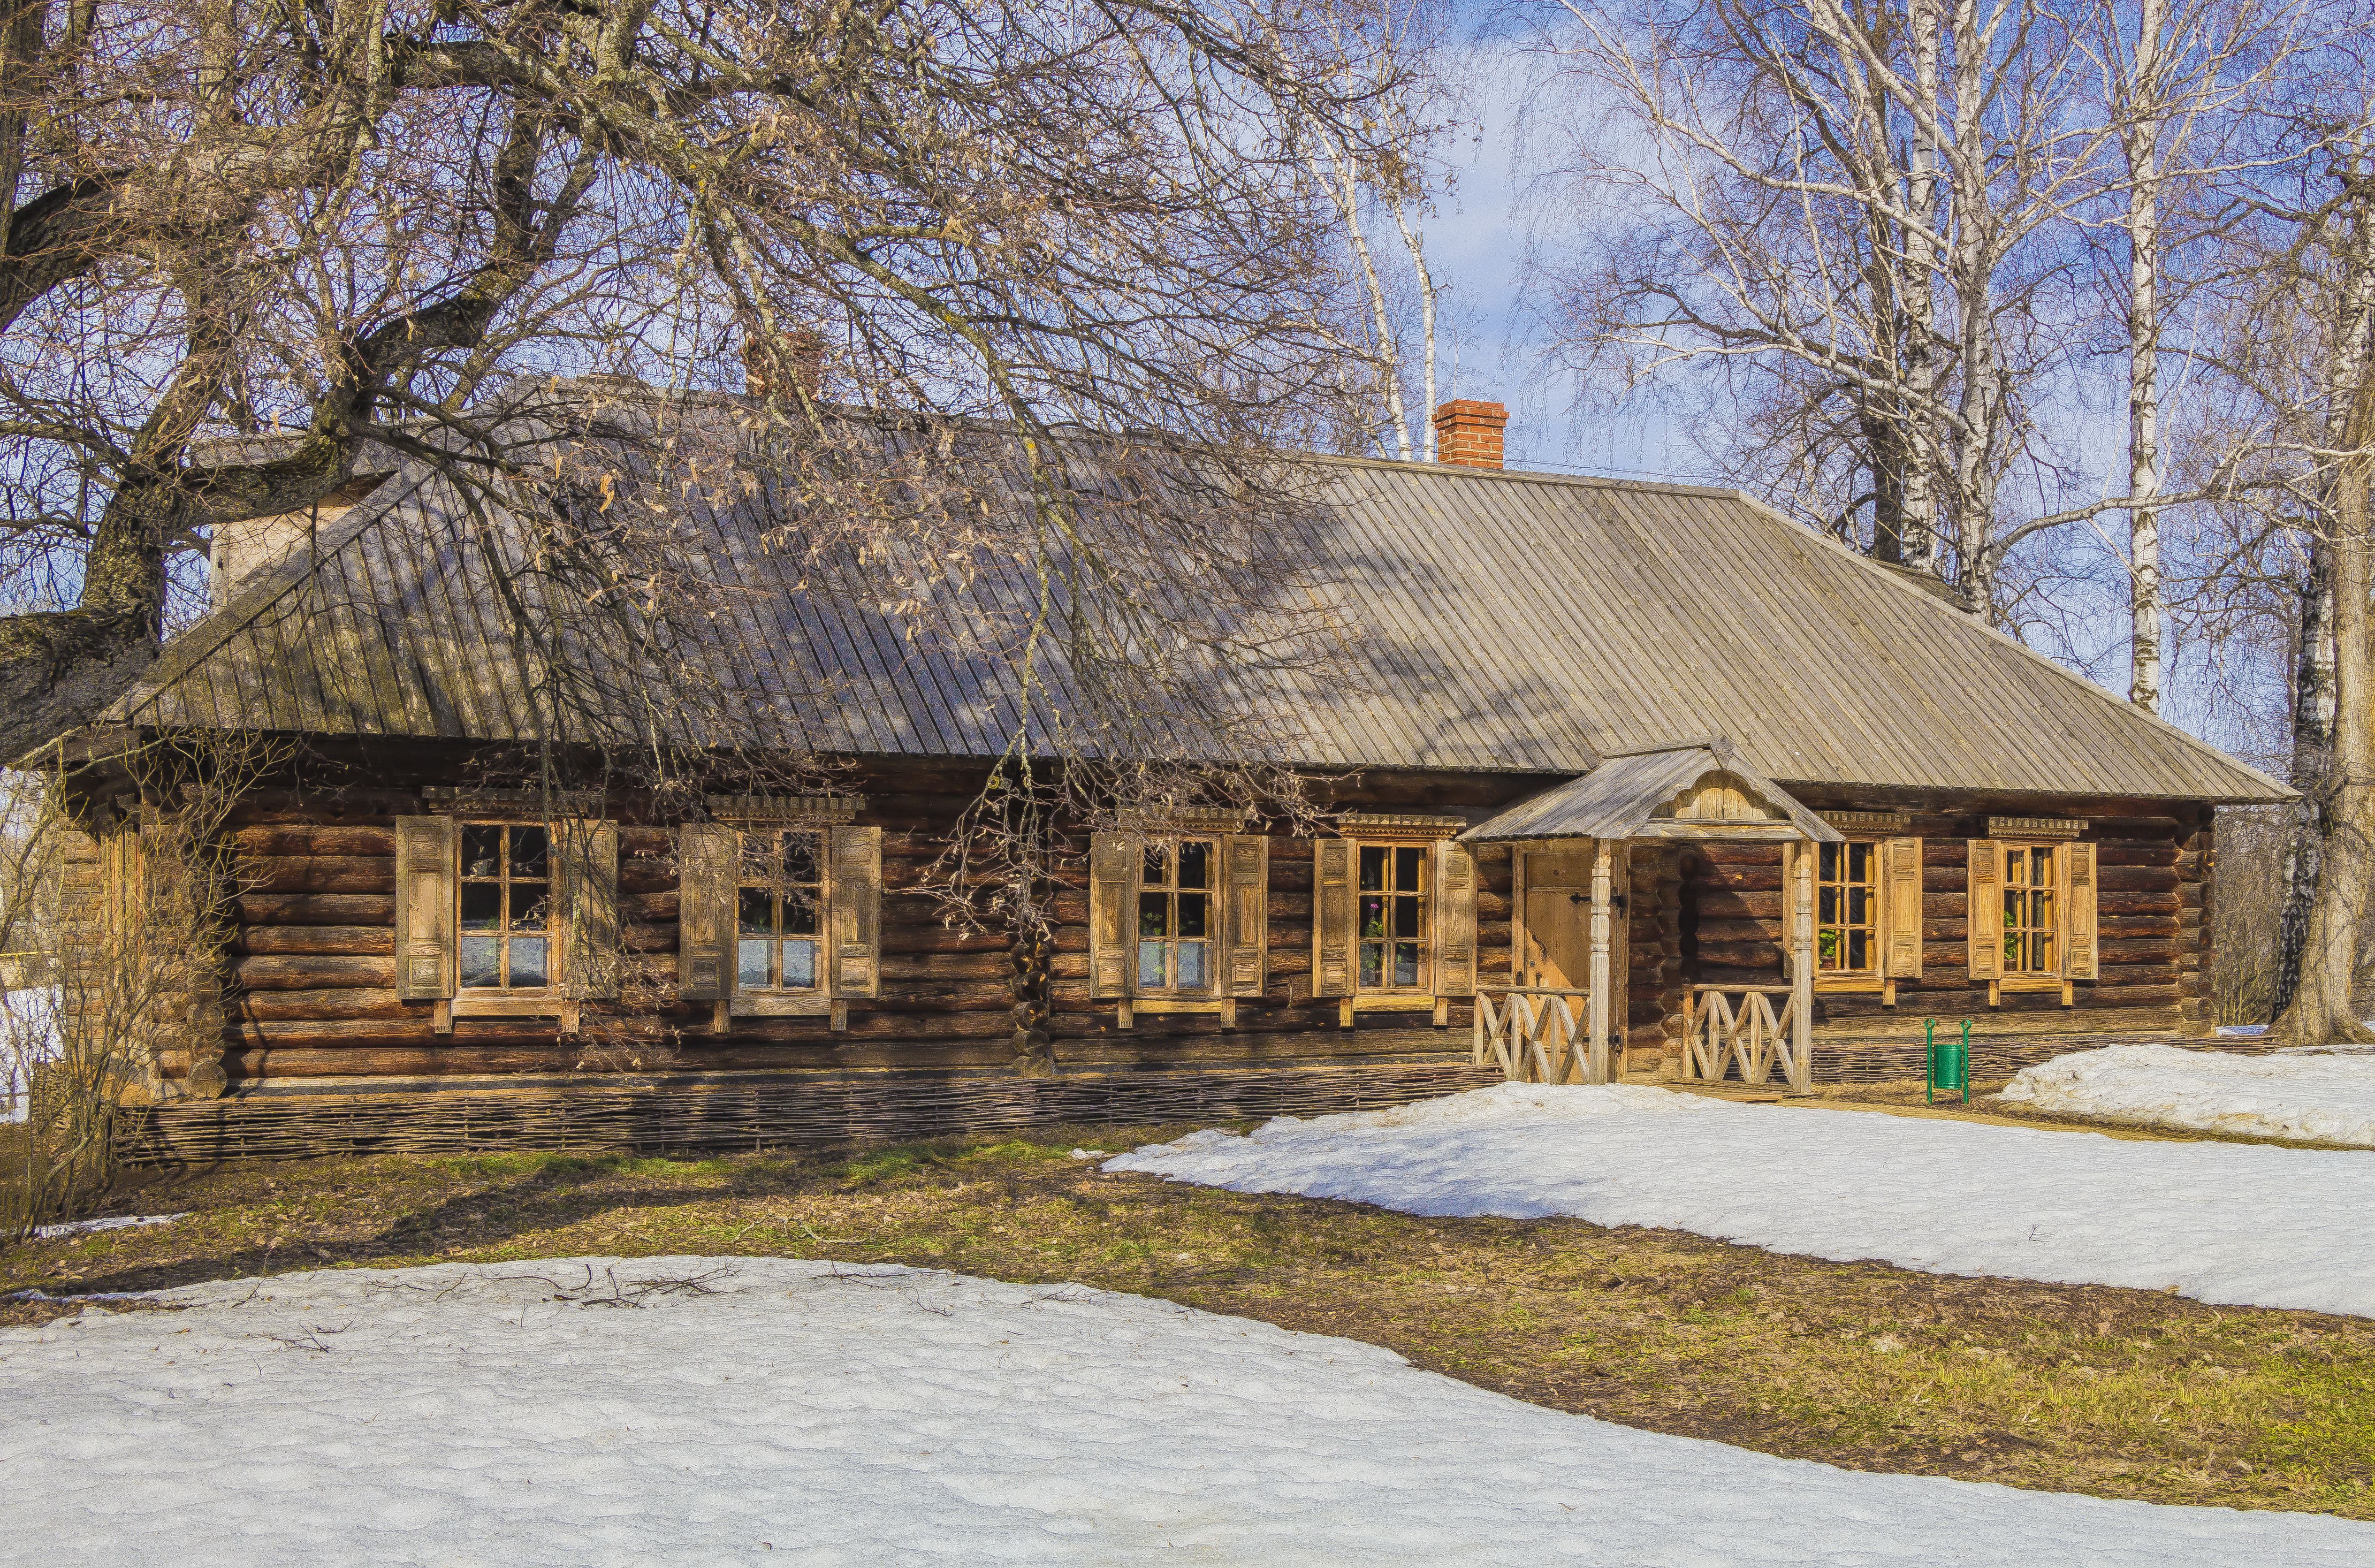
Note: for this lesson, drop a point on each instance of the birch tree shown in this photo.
(2328, 870)
(1864, 210)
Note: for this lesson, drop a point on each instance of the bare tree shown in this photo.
(253, 250)
(1858, 220)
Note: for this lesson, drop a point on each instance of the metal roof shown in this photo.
(1618, 798)
(1505, 622)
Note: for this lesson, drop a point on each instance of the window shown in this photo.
(2031, 918)
(506, 907)
(1174, 917)
(779, 899)
(1846, 911)
(1393, 915)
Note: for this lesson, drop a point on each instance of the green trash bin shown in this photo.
(1950, 1062)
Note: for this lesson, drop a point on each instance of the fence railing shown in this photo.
(1718, 1033)
(1539, 1035)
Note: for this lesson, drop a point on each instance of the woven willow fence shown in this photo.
(1853, 1061)
(746, 1117)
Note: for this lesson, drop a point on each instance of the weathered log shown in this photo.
(305, 838)
(314, 874)
(374, 939)
(323, 909)
(284, 972)
(361, 1002)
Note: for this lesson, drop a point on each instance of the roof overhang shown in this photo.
(1683, 789)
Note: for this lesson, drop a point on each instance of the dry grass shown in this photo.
(2118, 1393)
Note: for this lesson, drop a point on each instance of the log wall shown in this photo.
(2154, 861)
(313, 968)
(310, 994)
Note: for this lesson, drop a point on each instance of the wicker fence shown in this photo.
(782, 1112)
(750, 1115)
(1997, 1055)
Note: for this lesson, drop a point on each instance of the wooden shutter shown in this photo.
(1245, 858)
(706, 854)
(1983, 908)
(1900, 908)
(1331, 917)
(428, 851)
(1114, 862)
(1454, 937)
(589, 882)
(855, 912)
(2078, 956)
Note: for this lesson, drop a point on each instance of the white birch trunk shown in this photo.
(1348, 202)
(1430, 402)
(1921, 265)
(2139, 139)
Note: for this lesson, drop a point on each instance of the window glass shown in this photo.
(506, 907)
(1391, 911)
(776, 903)
(1174, 917)
(2031, 915)
(1847, 909)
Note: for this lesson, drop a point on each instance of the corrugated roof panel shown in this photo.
(1504, 623)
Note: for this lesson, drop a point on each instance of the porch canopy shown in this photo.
(1682, 789)
(1699, 789)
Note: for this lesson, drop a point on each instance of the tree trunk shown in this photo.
(2321, 1006)
(2141, 142)
(2341, 828)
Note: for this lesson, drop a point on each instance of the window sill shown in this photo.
(1852, 986)
(779, 1004)
(516, 1004)
(1393, 1002)
(1176, 1004)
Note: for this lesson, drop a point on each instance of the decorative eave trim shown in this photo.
(532, 805)
(2035, 827)
(1161, 820)
(823, 810)
(1418, 825)
(1891, 822)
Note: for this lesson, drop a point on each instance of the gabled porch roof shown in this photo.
(1683, 789)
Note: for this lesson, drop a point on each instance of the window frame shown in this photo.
(2056, 890)
(555, 929)
(1151, 848)
(819, 939)
(1429, 899)
(1875, 973)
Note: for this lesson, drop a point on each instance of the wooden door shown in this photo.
(1555, 946)
(1558, 921)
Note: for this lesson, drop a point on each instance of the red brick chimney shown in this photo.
(800, 358)
(1468, 433)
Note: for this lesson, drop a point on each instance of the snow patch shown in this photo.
(2320, 1096)
(77, 1227)
(789, 1412)
(2229, 1224)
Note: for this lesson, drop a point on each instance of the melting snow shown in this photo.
(2324, 1097)
(2220, 1222)
(799, 1413)
(77, 1227)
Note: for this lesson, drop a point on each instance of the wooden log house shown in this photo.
(1644, 782)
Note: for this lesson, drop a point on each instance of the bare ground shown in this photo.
(2118, 1393)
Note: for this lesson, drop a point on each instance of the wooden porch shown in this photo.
(1561, 1017)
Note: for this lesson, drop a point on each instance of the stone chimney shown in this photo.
(799, 358)
(238, 552)
(1468, 433)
